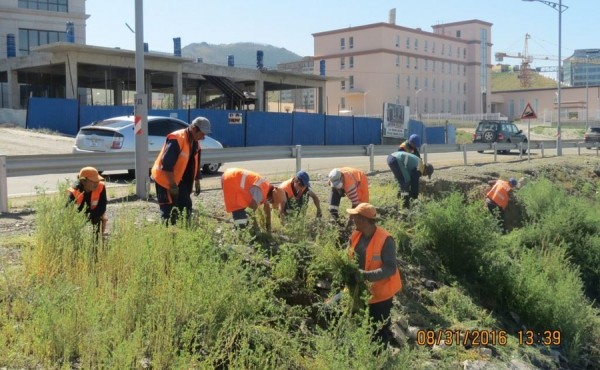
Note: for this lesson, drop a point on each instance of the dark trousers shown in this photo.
(496, 211)
(334, 202)
(171, 209)
(380, 314)
(407, 180)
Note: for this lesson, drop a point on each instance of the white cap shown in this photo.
(203, 124)
(335, 178)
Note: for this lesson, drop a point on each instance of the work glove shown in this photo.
(174, 191)
(197, 187)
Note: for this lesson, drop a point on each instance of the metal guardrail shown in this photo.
(33, 165)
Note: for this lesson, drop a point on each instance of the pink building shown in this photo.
(444, 71)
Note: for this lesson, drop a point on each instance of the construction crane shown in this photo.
(525, 71)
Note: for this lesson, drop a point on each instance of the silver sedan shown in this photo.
(116, 135)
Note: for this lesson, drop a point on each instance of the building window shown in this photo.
(449, 50)
(458, 34)
(408, 101)
(407, 82)
(416, 83)
(443, 49)
(416, 63)
(433, 65)
(407, 42)
(426, 83)
(433, 47)
(49, 5)
(397, 40)
(426, 64)
(351, 42)
(426, 46)
(426, 108)
(465, 88)
(464, 70)
(432, 105)
(342, 102)
(443, 86)
(416, 44)
(342, 43)
(443, 67)
(465, 53)
(30, 38)
(433, 85)
(450, 87)
(342, 62)
(397, 60)
(342, 85)
(351, 62)
(397, 81)
(351, 82)
(407, 62)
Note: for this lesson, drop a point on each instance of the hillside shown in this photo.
(244, 54)
(502, 81)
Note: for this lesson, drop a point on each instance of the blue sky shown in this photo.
(290, 24)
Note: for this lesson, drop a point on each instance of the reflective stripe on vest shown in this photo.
(384, 289)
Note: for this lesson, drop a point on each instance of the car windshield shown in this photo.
(595, 129)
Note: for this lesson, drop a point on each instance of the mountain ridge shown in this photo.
(244, 54)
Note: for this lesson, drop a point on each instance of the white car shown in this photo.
(116, 135)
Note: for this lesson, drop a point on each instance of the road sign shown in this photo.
(528, 113)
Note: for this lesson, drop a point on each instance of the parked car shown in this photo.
(592, 137)
(489, 131)
(116, 135)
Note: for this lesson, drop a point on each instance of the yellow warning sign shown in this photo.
(528, 113)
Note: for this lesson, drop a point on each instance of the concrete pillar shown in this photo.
(13, 89)
(178, 88)
(118, 91)
(259, 87)
(148, 84)
(71, 77)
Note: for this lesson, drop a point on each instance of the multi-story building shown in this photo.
(30, 23)
(444, 71)
(582, 68)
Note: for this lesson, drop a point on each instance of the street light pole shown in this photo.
(560, 8)
(587, 111)
(417, 103)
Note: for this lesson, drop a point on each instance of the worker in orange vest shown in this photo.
(350, 182)
(89, 193)
(246, 189)
(177, 168)
(297, 191)
(498, 197)
(375, 252)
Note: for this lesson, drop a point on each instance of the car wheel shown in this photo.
(211, 168)
(489, 136)
(524, 150)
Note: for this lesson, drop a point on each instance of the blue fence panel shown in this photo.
(54, 114)
(339, 130)
(436, 135)
(451, 134)
(308, 129)
(92, 113)
(228, 131)
(269, 129)
(367, 131)
(415, 127)
(182, 114)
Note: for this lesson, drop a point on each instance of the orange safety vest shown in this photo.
(354, 177)
(288, 187)
(236, 184)
(184, 156)
(384, 289)
(95, 198)
(499, 193)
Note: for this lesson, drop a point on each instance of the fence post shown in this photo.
(464, 148)
(495, 152)
(3, 185)
(542, 147)
(371, 153)
(298, 157)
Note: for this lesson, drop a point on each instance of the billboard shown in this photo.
(395, 120)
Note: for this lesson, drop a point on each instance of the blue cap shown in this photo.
(302, 176)
(415, 140)
(512, 181)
